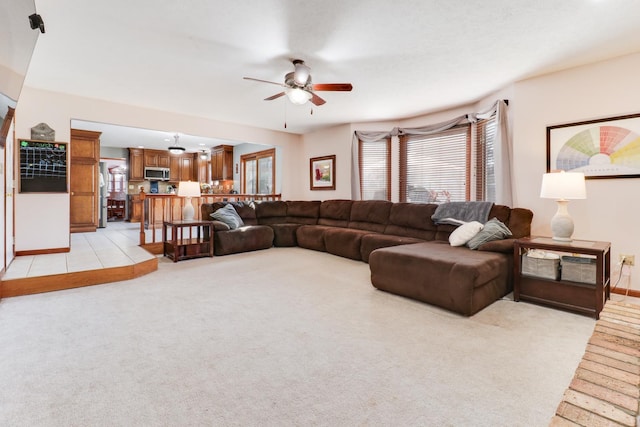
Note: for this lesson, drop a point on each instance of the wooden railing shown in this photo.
(157, 208)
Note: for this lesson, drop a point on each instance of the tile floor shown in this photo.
(113, 246)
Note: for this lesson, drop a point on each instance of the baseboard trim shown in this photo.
(631, 292)
(43, 251)
(56, 282)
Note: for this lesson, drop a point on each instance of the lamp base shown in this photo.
(188, 211)
(562, 223)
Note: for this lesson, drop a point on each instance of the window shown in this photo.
(259, 172)
(436, 168)
(375, 169)
(485, 160)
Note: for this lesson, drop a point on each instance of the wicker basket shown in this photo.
(579, 269)
(541, 267)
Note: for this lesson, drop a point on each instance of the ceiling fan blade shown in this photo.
(345, 87)
(264, 81)
(316, 100)
(276, 96)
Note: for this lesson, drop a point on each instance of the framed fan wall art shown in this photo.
(601, 148)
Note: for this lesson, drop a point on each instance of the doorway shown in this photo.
(113, 191)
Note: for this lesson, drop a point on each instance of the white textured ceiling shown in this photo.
(403, 57)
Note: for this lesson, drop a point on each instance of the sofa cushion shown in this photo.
(247, 212)
(312, 237)
(373, 241)
(271, 212)
(303, 212)
(372, 215)
(494, 229)
(412, 220)
(344, 242)
(229, 216)
(243, 239)
(284, 235)
(464, 233)
(520, 222)
(335, 213)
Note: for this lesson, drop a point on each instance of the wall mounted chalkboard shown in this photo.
(43, 166)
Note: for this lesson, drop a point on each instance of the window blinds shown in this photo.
(375, 169)
(436, 168)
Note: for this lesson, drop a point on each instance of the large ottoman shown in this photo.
(455, 278)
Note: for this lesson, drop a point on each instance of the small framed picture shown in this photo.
(602, 148)
(323, 173)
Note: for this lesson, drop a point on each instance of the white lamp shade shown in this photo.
(189, 189)
(298, 96)
(563, 186)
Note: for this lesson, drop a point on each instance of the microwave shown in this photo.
(157, 174)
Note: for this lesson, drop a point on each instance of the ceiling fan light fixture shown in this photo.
(203, 155)
(301, 73)
(175, 148)
(298, 96)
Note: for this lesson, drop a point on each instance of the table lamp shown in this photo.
(563, 186)
(188, 189)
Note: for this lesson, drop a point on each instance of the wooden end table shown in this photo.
(187, 239)
(579, 297)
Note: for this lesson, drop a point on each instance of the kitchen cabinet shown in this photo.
(136, 164)
(182, 167)
(222, 163)
(135, 208)
(156, 158)
(204, 169)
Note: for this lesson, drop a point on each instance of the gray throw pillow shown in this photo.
(229, 216)
(493, 229)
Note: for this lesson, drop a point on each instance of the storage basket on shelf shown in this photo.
(579, 269)
(537, 263)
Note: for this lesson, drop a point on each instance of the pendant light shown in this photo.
(175, 148)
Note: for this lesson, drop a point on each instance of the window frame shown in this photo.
(256, 156)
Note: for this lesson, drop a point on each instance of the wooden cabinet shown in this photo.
(136, 164)
(581, 297)
(135, 209)
(84, 155)
(182, 167)
(156, 158)
(222, 163)
(204, 169)
(187, 168)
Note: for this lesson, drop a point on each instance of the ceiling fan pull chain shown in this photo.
(285, 115)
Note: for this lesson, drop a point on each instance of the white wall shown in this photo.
(42, 220)
(595, 91)
(335, 140)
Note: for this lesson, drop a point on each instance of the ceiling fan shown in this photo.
(299, 87)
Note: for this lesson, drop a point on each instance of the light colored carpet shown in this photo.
(279, 337)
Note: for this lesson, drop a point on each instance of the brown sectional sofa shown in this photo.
(407, 253)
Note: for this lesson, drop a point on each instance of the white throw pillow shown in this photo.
(464, 233)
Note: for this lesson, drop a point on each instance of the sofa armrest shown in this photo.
(220, 226)
(504, 246)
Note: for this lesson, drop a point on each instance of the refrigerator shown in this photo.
(103, 178)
